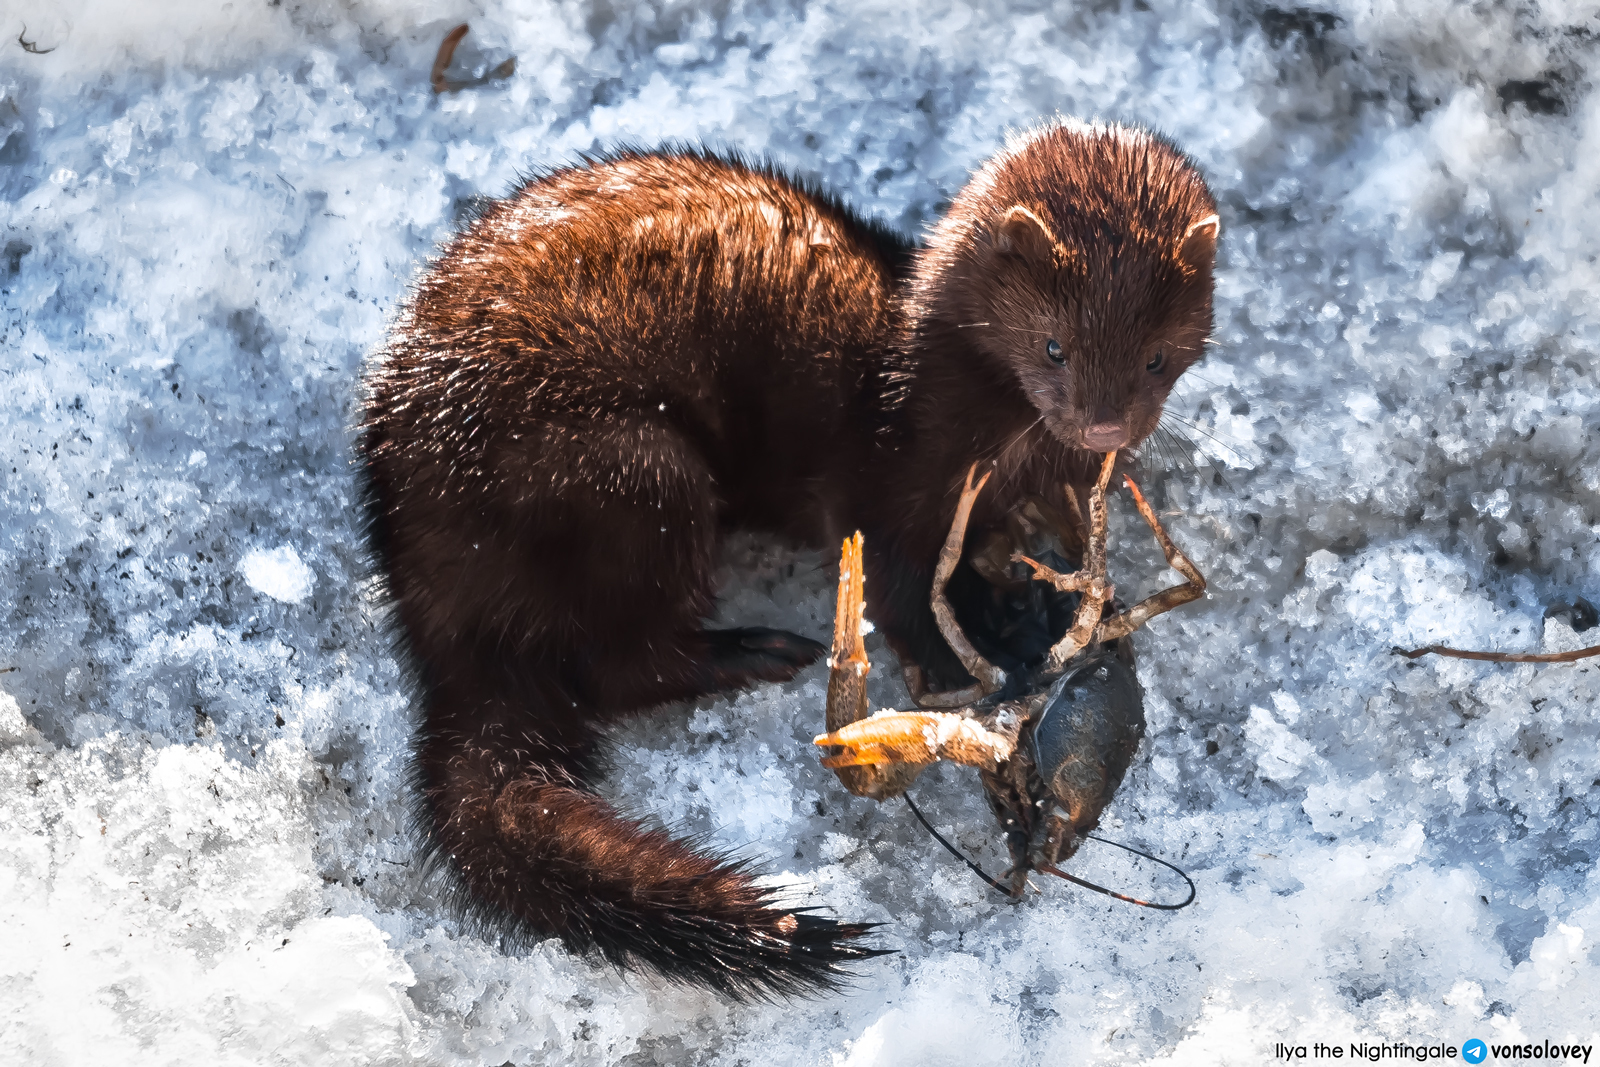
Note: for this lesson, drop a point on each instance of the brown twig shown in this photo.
(447, 52)
(1502, 657)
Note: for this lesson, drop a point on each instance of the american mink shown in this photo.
(619, 361)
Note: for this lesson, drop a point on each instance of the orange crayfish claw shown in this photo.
(898, 737)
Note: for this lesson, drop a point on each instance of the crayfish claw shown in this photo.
(893, 737)
(919, 737)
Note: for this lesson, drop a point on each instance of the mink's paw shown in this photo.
(751, 654)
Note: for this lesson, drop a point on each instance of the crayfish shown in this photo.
(1051, 746)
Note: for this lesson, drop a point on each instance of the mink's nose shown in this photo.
(1105, 437)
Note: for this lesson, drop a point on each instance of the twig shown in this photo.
(1502, 657)
(30, 46)
(447, 52)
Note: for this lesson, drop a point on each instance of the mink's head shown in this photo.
(1077, 265)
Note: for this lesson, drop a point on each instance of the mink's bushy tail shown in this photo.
(503, 764)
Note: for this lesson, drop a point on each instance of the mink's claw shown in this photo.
(749, 654)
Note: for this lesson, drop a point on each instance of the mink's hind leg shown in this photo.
(504, 764)
(606, 551)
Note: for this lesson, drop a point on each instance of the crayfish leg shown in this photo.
(990, 678)
(1096, 591)
(1193, 588)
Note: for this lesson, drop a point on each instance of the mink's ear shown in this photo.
(1197, 250)
(1022, 233)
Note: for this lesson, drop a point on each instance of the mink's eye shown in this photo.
(1155, 365)
(1052, 348)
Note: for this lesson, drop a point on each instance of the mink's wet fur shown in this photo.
(621, 360)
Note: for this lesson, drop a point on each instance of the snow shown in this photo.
(209, 215)
(278, 573)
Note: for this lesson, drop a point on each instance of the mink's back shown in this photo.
(733, 305)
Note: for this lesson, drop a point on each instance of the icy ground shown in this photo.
(208, 215)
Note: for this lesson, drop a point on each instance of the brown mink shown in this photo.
(609, 368)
